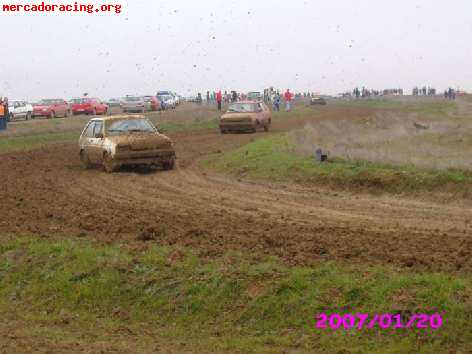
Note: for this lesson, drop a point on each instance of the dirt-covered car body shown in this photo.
(246, 116)
(125, 140)
(318, 100)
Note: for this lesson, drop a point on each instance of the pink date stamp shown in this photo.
(360, 321)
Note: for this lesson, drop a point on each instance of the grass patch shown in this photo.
(169, 127)
(271, 158)
(29, 142)
(230, 303)
(430, 107)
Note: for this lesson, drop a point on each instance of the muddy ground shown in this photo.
(46, 193)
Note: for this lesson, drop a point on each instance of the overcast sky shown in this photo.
(190, 46)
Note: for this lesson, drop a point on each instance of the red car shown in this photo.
(51, 108)
(88, 106)
(153, 102)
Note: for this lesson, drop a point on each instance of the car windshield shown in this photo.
(77, 100)
(126, 126)
(133, 99)
(46, 102)
(242, 107)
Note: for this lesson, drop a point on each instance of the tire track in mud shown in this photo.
(47, 193)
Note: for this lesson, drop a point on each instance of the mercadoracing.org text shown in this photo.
(31, 7)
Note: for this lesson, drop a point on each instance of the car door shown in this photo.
(267, 113)
(96, 142)
(260, 114)
(91, 142)
(86, 139)
(20, 109)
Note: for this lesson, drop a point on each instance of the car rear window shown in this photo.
(133, 99)
(242, 107)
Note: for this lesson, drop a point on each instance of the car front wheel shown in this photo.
(169, 165)
(84, 159)
(108, 163)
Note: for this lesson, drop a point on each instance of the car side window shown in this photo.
(97, 129)
(88, 133)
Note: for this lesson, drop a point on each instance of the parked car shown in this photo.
(51, 108)
(113, 102)
(254, 96)
(168, 101)
(19, 110)
(134, 104)
(317, 100)
(246, 116)
(176, 98)
(88, 106)
(153, 102)
(125, 140)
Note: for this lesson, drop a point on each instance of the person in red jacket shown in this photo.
(218, 99)
(288, 100)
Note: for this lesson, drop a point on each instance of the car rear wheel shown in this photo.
(108, 164)
(84, 159)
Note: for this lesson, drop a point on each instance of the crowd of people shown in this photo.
(270, 96)
(450, 94)
(365, 92)
(424, 91)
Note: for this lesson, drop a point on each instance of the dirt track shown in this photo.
(46, 192)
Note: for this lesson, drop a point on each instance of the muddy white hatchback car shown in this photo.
(126, 140)
(246, 116)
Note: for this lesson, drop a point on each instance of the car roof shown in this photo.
(247, 101)
(119, 117)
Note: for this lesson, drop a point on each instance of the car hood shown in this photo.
(238, 116)
(142, 141)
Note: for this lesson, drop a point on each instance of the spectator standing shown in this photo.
(218, 99)
(288, 100)
(3, 113)
(277, 102)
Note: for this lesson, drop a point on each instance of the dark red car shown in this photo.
(88, 106)
(153, 102)
(51, 108)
